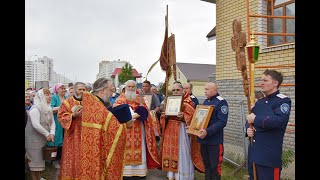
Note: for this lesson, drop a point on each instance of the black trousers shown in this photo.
(212, 156)
(59, 153)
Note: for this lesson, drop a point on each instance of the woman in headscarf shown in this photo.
(59, 96)
(39, 129)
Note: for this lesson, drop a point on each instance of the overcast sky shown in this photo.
(78, 34)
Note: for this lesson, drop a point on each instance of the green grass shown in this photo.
(227, 169)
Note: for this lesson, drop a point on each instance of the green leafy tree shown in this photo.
(162, 89)
(126, 73)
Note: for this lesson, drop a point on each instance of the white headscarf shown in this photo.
(121, 88)
(41, 102)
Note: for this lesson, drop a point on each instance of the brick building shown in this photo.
(274, 51)
(227, 75)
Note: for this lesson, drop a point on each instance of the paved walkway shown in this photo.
(153, 174)
(156, 174)
(52, 173)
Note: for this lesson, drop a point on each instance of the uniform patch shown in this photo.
(285, 108)
(220, 98)
(192, 96)
(281, 96)
(224, 109)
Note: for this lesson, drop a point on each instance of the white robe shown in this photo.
(185, 165)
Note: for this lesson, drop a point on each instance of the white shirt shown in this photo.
(35, 121)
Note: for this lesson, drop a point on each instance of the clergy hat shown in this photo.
(122, 113)
(143, 112)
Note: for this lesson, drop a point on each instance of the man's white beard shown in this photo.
(106, 99)
(130, 95)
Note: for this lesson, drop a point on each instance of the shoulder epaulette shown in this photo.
(281, 96)
(220, 98)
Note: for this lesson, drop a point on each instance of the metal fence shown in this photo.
(235, 142)
(288, 155)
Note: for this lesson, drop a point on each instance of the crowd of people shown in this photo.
(107, 133)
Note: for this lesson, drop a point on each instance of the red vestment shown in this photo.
(134, 136)
(170, 140)
(70, 162)
(103, 140)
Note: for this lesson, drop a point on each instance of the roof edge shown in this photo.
(210, 1)
(212, 33)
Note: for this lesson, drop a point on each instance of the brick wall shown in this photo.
(227, 11)
(230, 89)
(228, 77)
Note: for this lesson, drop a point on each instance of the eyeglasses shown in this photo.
(176, 90)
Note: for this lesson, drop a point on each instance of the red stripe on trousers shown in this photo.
(276, 173)
(220, 159)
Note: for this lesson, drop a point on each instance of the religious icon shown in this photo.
(173, 105)
(200, 119)
(148, 99)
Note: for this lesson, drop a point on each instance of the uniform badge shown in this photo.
(285, 108)
(224, 109)
(220, 98)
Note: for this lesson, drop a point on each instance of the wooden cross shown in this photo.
(238, 44)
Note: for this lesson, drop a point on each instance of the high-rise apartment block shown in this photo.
(29, 71)
(42, 70)
(106, 68)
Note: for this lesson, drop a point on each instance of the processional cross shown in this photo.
(238, 43)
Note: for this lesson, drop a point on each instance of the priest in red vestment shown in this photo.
(180, 152)
(103, 137)
(141, 148)
(69, 116)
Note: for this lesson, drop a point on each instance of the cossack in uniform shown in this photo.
(272, 116)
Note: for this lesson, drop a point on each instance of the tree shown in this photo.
(162, 88)
(126, 74)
